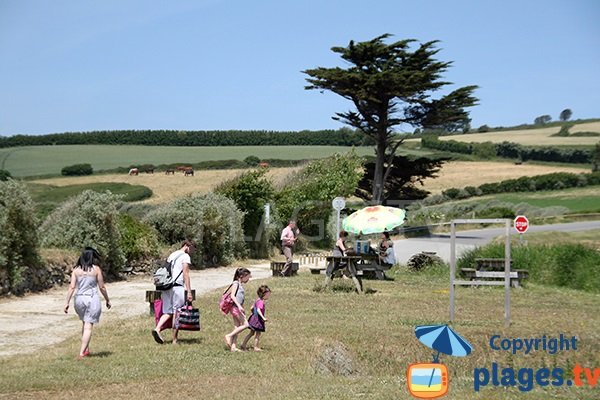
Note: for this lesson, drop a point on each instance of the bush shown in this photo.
(451, 193)
(251, 191)
(484, 150)
(18, 237)
(497, 212)
(4, 175)
(77, 170)
(307, 196)
(483, 129)
(138, 241)
(252, 161)
(212, 221)
(88, 219)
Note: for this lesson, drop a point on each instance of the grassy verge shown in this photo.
(376, 330)
(48, 197)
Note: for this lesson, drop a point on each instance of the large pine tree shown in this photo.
(391, 85)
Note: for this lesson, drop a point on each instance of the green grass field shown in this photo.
(48, 197)
(47, 160)
(376, 329)
(577, 200)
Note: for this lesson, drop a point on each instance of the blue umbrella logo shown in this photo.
(443, 339)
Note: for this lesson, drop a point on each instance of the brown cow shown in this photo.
(134, 171)
(170, 171)
(188, 172)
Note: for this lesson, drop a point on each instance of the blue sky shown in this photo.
(81, 65)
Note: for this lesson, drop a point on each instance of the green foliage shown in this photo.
(77, 170)
(308, 194)
(390, 84)
(250, 192)
(484, 150)
(4, 175)
(571, 265)
(252, 161)
(596, 158)
(88, 219)
(483, 129)
(564, 131)
(326, 137)
(565, 114)
(405, 178)
(212, 221)
(138, 241)
(18, 236)
(452, 146)
(542, 120)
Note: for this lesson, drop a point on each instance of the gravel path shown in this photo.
(32, 322)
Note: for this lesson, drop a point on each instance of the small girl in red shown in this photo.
(257, 320)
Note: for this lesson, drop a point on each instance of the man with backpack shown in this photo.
(174, 297)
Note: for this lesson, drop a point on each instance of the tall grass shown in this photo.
(571, 265)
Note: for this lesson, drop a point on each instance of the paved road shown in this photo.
(466, 240)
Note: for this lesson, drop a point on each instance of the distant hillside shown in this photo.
(540, 136)
(339, 137)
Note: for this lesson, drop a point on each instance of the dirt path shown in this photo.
(30, 323)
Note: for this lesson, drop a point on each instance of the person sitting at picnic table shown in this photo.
(387, 256)
(339, 250)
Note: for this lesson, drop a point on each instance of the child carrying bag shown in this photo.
(226, 303)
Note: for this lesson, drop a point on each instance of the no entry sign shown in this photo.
(521, 223)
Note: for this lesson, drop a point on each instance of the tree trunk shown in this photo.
(379, 171)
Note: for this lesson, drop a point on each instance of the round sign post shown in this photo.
(521, 224)
(338, 205)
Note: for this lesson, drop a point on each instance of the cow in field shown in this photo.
(188, 172)
(134, 171)
(170, 171)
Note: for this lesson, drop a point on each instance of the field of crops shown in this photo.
(535, 137)
(45, 160)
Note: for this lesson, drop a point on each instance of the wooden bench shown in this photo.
(278, 266)
(152, 295)
(490, 272)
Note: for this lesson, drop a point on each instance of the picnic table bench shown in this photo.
(278, 266)
(490, 272)
(152, 295)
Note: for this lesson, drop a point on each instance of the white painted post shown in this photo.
(507, 276)
(452, 267)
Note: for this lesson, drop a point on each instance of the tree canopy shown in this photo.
(391, 85)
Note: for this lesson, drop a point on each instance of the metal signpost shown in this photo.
(521, 224)
(338, 204)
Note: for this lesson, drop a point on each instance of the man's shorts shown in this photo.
(173, 299)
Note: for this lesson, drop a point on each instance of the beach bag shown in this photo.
(158, 313)
(188, 318)
(162, 278)
(226, 303)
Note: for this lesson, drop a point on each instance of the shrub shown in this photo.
(496, 212)
(18, 236)
(77, 170)
(483, 129)
(484, 150)
(252, 161)
(212, 221)
(307, 195)
(251, 191)
(451, 193)
(4, 175)
(88, 219)
(138, 241)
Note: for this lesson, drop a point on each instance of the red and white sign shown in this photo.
(521, 223)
